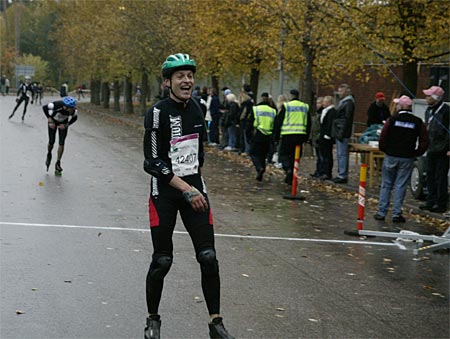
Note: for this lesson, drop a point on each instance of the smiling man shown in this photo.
(173, 150)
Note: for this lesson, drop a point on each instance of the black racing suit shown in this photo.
(60, 116)
(24, 93)
(164, 123)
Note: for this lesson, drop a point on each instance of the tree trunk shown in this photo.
(410, 77)
(128, 99)
(308, 54)
(116, 95)
(215, 82)
(105, 94)
(145, 90)
(95, 91)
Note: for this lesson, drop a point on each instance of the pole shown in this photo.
(293, 195)
(361, 201)
(361, 196)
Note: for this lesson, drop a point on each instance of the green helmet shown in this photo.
(176, 62)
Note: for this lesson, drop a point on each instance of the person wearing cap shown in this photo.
(292, 128)
(263, 120)
(378, 111)
(60, 115)
(437, 118)
(342, 130)
(173, 151)
(25, 93)
(402, 139)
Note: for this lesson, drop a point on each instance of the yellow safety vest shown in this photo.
(295, 118)
(264, 118)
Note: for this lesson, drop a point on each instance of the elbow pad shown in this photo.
(158, 169)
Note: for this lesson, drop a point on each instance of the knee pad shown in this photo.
(160, 267)
(208, 262)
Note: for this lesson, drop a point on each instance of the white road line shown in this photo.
(332, 241)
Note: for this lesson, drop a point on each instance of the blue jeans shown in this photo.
(395, 174)
(232, 136)
(342, 157)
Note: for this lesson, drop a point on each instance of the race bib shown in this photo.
(183, 153)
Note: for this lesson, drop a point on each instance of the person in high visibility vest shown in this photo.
(263, 121)
(292, 128)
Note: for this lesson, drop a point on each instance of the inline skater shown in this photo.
(60, 115)
(173, 149)
(24, 94)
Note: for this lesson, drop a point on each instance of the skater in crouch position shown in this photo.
(173, 150)
(60, 114)
(25, 92)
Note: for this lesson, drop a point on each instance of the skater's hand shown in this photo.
(62, 126)
(17, 99)
(196, 199)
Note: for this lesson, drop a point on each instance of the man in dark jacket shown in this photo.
(378, 111)
(398, 141)
(342, 130)
(437, 118)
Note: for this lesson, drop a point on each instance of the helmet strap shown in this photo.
(173, 93)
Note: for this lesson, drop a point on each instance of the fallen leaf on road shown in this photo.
(280, 309)
(279, 315)
(245, 275)
(313, 320)
(41, 183)
(20, 312)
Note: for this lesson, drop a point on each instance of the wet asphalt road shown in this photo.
(74, 250)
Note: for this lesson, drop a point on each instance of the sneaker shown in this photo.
(325, 177)
(438, 209)
(398, 218)
(378, 216)
(153, 327)
(228, 148)
(259, 177)
(11, 116)
(217, 330)
(339, 180)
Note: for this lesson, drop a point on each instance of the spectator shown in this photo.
(231, 121)
(7, 86)
(245, 119)
(398, 141)
(215, 117)
(315, 134)
(3, 85)
(437, 118)
(325, 140)
(378, 111)
(64, 90)
(342, 130)
(292, 126)
(224, 120)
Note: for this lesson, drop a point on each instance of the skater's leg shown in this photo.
(25, 108)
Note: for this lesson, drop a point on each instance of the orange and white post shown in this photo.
(296, 167)
(361, 196)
